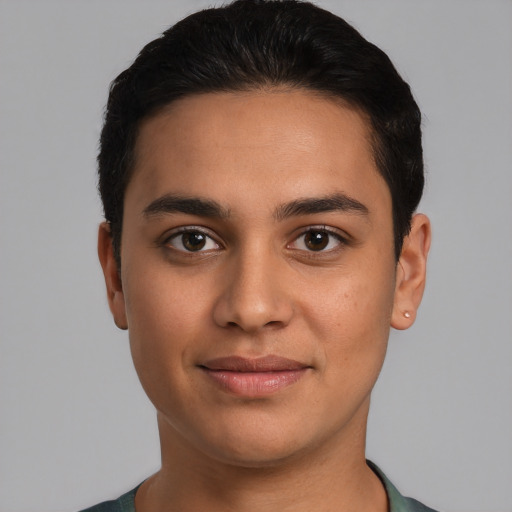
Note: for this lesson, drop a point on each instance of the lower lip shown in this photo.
(255, 384)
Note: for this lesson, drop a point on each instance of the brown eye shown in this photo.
(316, 240)
(192, 240)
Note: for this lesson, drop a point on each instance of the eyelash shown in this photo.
(209, 239)
(190, 230)
(323, 230)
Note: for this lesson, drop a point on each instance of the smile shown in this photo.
(253, 378)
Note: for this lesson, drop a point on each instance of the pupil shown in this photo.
(317, 240)
(193, 241)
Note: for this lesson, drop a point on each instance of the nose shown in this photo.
(254, 294)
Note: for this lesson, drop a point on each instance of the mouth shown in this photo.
(253, 378)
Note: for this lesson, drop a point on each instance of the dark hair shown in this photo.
(251, 44)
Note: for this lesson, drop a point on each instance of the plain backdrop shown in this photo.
(75, 426)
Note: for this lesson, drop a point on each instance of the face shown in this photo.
(258, 275)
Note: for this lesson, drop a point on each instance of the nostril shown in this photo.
(273, 324)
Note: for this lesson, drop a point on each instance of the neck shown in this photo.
(330, 476)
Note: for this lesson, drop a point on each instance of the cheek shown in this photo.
(160, 302)
(352, 319)
(164, 320)
(357, 301)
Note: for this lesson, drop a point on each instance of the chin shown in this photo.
(260, 446)
(246, 444)
(257, 456)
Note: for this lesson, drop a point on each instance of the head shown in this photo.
(257, 45)
(259, 167)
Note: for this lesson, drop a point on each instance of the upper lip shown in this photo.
(270, 363)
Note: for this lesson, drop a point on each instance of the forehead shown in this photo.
(278, 144)
(251, 117)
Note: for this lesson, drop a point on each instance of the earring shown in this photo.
(407, 314)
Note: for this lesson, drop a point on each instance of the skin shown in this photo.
(260, 287)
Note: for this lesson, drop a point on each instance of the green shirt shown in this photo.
(397, 502)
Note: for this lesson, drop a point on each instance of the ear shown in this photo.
(112, 277)
(411, 273)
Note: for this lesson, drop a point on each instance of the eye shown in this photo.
(191, 240)
(317, 240)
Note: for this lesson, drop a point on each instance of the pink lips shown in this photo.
(253, 378)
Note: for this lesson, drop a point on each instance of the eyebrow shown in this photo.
(202, 207)
(310, 206)
(189, 205)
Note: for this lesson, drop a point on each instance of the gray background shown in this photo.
(75, 427)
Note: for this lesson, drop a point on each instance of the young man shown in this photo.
(260, 166)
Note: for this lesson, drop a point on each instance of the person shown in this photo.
(260, 168)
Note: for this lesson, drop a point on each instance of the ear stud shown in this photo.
(407, 314)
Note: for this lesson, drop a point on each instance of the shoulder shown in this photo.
(415, 506)
(125, 503)
(397, 502)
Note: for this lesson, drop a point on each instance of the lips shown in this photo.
(252, 378)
